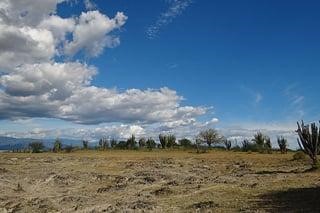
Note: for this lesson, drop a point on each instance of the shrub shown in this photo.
(262, 142)
(113, 143)
(36, 147)
(283, 144)
(299, 155)
(85, 144)
(103, 143)
(121, 145)
(185, 143)
(57, 146)
(200, 147)
(247, 146)
(142, 142)
(171, 141)
(151, 144)
(68, 148)
(131, 142)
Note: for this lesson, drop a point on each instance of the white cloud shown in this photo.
(296, 101)
(58, 26)
(91, 33)
(34, 85)
(20, 45)
(26, 12)
(64, 91)
(89, 4)
(175, 9)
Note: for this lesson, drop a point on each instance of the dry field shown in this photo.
(157, 181)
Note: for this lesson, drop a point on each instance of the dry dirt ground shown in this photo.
(157, 181)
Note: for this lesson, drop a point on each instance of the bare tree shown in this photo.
(210, 136)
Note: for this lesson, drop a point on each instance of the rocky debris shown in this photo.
(204, 205)
(162, 191)
(142, 205)
(3, 170)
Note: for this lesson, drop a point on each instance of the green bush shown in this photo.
(248, 146)
(151, 144)
(185, 143)
(57, 146)
(36, 147)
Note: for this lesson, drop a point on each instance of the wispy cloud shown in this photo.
(175, 9)
(89, 4)
(296, 100)
(258, 98)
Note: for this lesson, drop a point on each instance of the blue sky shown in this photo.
(252, 64)
(222, 54)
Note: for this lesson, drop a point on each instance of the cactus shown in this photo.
(282, 142)
(309, 140)
(227, 144)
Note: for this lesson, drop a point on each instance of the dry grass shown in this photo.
(161, 181)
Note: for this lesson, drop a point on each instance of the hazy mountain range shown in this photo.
(9, 143)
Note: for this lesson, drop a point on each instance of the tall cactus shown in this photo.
(309, 140)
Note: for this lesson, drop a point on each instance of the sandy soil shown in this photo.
(157, 181)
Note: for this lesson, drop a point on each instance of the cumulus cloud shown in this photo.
(33, 84)
(26, 12)
(64, 91)
(21, 45)
(90, 33)
(176, 8)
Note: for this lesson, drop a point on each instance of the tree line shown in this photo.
(308, 141)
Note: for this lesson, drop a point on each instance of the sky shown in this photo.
(87, 69)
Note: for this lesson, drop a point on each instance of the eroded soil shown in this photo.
(157, 181)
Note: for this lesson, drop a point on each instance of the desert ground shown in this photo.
(157, 181)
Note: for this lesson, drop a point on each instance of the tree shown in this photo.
(186, 143)
(309, 139)
(282, 143)
(57, 146)
(151, 144)
(131, 142)
(85, 144)
(142, 142)
(113, 143)
(163, 141)
(171, 141)
(36, 147)
(103, 143)
(210, 136)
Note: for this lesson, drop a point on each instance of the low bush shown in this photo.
(299, 155)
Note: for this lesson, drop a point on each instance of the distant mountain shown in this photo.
(9, 143)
